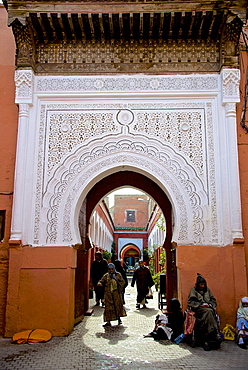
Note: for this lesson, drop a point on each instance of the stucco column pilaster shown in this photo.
(230, 96)
(24, 97)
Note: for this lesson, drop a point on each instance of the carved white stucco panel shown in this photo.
(64, 126)
(69, 149)
(127, 83)
(178, 178)
(230, 85)
(69, 126)
(24, 81)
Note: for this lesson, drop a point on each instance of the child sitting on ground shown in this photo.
(161, 330)
(168, 325)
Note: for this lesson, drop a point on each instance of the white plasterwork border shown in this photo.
(177, 177)
(40, 183)
(189, 85)
(138, 83)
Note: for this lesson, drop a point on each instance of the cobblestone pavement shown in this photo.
(92, 347)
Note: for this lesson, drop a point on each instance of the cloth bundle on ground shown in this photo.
(32, 336)
(189, 323)
(150, 294)
(229, 332)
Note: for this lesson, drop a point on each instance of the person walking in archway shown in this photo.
(143, 278)
(99, 267)
(113, 284)
(121, 270)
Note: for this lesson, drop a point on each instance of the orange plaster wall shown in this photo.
(41, 290)
(8, 134)
(223, 268)
(243, 151)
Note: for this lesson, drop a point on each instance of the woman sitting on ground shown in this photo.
(203, 303)
(175, 318)
(113, 284)
(242, 322)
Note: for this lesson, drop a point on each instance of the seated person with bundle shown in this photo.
(203, 303)
(242, 323)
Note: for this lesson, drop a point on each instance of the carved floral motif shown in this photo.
(24, 80)
(181, 128)
(173, 140)
(134, 83)
(230, 85)
(69, 131)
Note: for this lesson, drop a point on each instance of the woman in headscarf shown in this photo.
(113, 284)
(175, 318)
(242, 322)
(203, 303)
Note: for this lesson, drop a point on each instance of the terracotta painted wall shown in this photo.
(223, 268)
(8, 134)
(243, 152)
(130, 202)
(44, 296)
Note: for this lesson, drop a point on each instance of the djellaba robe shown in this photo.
(205, 316)
(143, 278)
(98, 269)
(113, 287)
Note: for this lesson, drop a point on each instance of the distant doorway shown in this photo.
(130, 254)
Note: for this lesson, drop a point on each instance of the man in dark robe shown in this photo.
(143, 278)
(203, 303)
(121, 270)
(99, 267)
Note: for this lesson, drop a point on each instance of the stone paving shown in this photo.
(92, 347)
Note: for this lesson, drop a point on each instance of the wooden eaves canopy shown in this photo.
(126, 36)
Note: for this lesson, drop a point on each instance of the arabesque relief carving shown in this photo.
(176, 139)
(71, 131)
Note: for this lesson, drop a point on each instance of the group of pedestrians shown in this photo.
(200, 322)
(110, 281)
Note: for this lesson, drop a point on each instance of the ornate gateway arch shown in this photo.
(74, 132)
(163, 131)
(107, 86)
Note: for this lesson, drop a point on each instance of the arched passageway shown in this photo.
(97, 192)
(130, 254)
